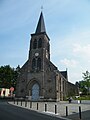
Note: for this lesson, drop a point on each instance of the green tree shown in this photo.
(8, 76)
(82, 87)
(86, 80)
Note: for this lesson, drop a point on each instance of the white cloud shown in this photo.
(73, 52)
(69, 63)
(75, 76)
(82, 50)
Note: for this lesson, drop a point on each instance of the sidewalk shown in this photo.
(59, 111)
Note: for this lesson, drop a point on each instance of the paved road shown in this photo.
(9, 112)
(85, 115)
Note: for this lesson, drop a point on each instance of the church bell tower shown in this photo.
(39, 47)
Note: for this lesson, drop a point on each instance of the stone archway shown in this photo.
(35, 92)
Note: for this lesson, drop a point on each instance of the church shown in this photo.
(39, 79)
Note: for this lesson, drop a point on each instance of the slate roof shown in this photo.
(64, 73)
(41, 25)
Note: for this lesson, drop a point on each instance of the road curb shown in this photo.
(43, 112)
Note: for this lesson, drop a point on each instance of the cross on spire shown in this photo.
(42, 8)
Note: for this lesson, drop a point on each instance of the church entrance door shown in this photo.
(35, 92)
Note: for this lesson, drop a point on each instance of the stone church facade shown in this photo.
(39, 78)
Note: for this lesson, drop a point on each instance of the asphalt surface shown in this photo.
(9, 112)
(85, 115)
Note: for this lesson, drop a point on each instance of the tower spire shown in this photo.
(41, 25)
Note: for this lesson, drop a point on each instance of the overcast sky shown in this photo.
(68, 27)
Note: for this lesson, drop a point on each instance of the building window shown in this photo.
(35, 44)
(33, 63)
(40, 43)
(39, 63)
(36, 64)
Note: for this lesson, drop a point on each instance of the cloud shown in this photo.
(82, 50)
(69, 63)
(72, 51)
(75, 76)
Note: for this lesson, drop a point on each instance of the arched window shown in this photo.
(35, 44)
(34, 64)
(39, 63)
(40, 43)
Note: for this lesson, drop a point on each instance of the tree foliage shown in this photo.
(84, 85)
(86, 79)
(8, 76)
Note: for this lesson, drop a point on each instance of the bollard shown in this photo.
(17, 102)
(80, 112)
(66, 111)
(55, 109)
(37, 106)
(25, 103)
(14, 101)
(45, 107)
(30, 104)
(21, 102)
